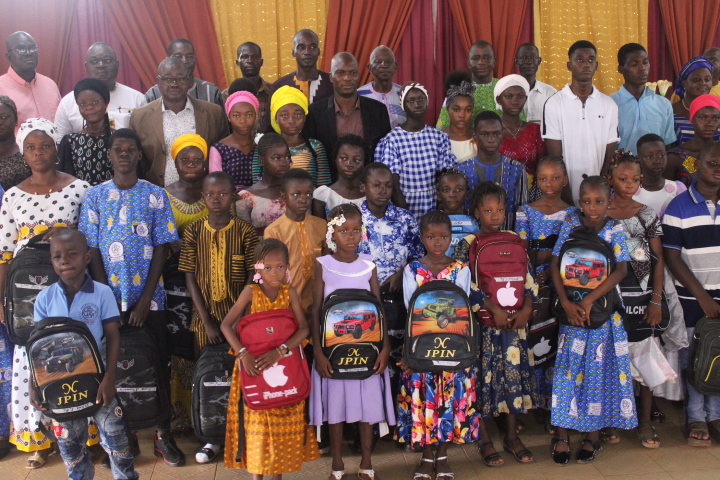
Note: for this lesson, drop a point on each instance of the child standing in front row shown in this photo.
(429, 402)
(277, 440)
(592, 385)
(453, 191)
(337, 402)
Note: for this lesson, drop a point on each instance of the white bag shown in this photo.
(648, 363)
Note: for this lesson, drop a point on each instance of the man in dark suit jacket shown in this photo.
(346, 112)
(160, 122)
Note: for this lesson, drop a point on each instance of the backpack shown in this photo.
(440, 332)
(210, 393)
(499, 264)
(703, 371)
(636, 302)
(66, 366)
(585, 261)
(352, 329)
(139, 380)
(29, 273)
(178, 311)
(543, 327)
(288, 381)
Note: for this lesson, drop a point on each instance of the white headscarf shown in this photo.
(409, 87)
(32, 124)
(508, 81)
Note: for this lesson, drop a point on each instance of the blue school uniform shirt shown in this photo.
(651, 113)
(94, 305)
(126, 225)
(392, 241)
(462, 226)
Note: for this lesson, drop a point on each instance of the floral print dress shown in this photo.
(437, 407)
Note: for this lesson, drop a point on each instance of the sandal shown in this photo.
(336, 475)
(36, 460)
(420, 476)
(560, 458)
(445, 475)
(700, 429)
(646, 437)
(366, 471)
(657, 416)
(587, 456)
(609, 435)
(524, 453)
(488, 459)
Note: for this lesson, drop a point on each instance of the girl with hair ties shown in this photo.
(13, 168)
(460, 104)
(234, 153)
(85, 154)
(695, 80)
(521, 140)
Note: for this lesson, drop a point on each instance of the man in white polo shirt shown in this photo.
(102, 64)
(580, 122)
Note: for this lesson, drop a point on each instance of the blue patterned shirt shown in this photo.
(391, 100)
(393, 240)
(126, 225)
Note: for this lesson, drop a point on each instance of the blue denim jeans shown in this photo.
(113, 438)
(700, 408)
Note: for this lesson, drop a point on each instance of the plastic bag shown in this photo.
(648, 363)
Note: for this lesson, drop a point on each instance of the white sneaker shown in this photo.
(207, 453)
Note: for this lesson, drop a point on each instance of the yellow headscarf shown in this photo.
(284, 96)
(189, 140)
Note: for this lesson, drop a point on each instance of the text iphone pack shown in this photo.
(352, 335)
(440, 333)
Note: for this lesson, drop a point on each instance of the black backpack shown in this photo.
(29, 273)
(210, 393)
(178, 311)
(139, 380)
(440, 329)
(352, 332)
(67, 368)
(585, 261)
(636, 302)
(703, 371)
(543, 327)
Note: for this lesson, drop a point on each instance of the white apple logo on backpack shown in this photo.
(542, 347)
(506, 296)
(274, 376)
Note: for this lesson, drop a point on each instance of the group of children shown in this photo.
(367, 242)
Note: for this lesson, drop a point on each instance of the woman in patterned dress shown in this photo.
(705, 118)
(85, 154)
(13, 168)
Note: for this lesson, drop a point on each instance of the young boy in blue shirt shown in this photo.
(78, 297)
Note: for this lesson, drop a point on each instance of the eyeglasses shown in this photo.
(171, 80)
(24, 50)
(101, 61)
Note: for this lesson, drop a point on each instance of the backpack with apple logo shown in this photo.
(352, 332)
(288, 381)
(440, 331)
(543, 327)
(585, 261)
(499, 265)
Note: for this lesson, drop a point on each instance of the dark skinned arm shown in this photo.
(384, 358)
(322, 365)
(573, 311)
(318, 209)
(140, 310)
(608, 284)
(268, 359)
(682, 274)
(106, 392)
(653, 313)
(227, 327)
(397, 195)
(212, 329)
(609, 152)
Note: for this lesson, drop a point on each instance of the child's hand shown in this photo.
(586, 308)
(710, 307)
(106, 392)
(213, 333)
(35, 399)
(268, 359)
(395, 281)
(248, 363)
(575, 314)
(139, 313)
(521, 318)
(653, 314)
(382, 361)
(403, 366)
(322, 365)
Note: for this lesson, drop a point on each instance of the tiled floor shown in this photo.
(627, 460)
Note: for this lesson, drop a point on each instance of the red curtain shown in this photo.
(500, 23)
(358, 26)
(146, 27)
(92, 25)
(690, 29)
(50, 23)
(661, 61)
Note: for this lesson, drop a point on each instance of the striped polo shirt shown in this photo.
(691, 225)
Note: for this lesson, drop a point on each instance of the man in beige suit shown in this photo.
(160, 122)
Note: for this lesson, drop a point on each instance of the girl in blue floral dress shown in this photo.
(538, 224)
(436, 408)
(592, 384)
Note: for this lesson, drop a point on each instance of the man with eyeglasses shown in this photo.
(102, 64)
(382, 66)
(35, 95)
(527, 60)
(182, 49)
(161, 121)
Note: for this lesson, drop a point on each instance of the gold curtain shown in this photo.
(608, 24)
(269, 23)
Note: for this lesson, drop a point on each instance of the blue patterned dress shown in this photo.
(6, 355)
(592, 385)
(531, 224)
(437, 407)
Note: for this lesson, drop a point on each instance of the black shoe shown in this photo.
(105, 461)
(587, 456)
(166, 448)
(561, 458)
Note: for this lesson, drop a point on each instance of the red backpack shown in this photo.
(288, 381)
(499, 264)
